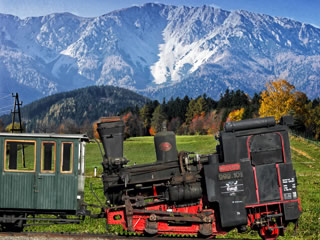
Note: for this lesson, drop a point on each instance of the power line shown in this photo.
(5, 111)
(6, 107)
(5, 96)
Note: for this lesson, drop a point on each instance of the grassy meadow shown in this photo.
(306, 159)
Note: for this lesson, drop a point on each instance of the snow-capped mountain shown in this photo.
(158, 50)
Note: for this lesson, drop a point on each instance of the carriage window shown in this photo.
(48, 157)
(20, 155)
(67, 156)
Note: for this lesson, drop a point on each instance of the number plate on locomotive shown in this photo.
(230, 175)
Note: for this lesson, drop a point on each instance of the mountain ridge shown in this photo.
(158, 50)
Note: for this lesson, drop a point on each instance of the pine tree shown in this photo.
(145, 116)
(158, 117)
(191, 110)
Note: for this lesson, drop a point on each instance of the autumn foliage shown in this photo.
(235, 115)
(278, 100)
(152, 131)
(205, 123)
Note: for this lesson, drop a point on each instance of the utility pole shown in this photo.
(16, 110)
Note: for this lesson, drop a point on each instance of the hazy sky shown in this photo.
(307, 11)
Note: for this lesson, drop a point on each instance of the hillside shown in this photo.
(79, 106)
(158, 50)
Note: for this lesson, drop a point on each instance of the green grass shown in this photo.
(141, 150)
(306, 160)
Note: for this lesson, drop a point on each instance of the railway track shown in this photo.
(71, 236)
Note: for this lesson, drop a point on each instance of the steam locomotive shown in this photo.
(248, 182)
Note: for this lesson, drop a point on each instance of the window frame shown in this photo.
(71, 160)
(42, 157)
(5, 169)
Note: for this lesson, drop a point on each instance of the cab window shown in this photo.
(266, 148)
(20, 155)
(48, 157)
(67, 157)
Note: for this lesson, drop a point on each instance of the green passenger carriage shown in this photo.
(40, 174)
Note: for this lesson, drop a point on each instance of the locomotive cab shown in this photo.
(253, 179)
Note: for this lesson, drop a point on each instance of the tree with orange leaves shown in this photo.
(278, 100)
(152, 132)
(235, 115)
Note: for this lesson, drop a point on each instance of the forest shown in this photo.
(74, 113)
(204, 115)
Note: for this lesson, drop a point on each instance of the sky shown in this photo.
(306, 11)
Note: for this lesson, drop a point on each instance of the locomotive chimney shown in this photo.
(111, 131)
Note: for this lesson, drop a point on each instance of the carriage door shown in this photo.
(19, 172)
(67, 178)
(46, 196)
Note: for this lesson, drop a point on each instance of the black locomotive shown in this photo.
(248, 182)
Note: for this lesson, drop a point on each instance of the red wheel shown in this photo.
(269, 232)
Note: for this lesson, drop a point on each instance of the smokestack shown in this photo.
(111, 132)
